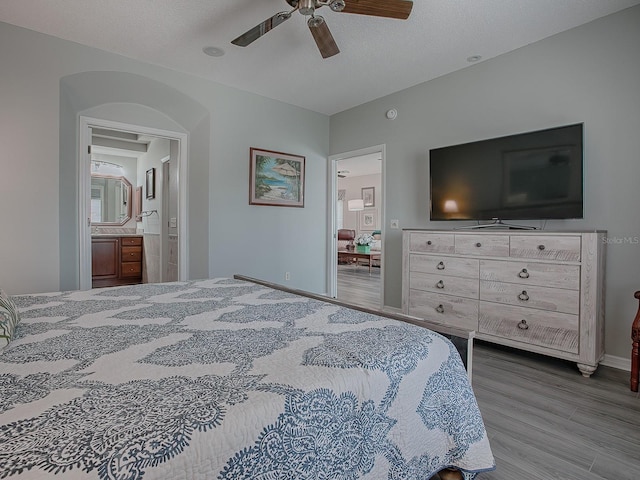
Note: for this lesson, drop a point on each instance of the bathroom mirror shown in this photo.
(110, 200)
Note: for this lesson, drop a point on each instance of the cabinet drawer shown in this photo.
(131, 254)
(131, 240)
(431, 242)
(525, 273)
(455, 267)
(455, 311)
(492, 245)
(463, 287)
(558, 331)
(549, 247)
(130, 269)
(531, 296)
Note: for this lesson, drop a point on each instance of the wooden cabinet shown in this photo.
(537, 291)
(116, 260)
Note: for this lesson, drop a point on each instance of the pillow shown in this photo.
(9, 319)
(376, 245)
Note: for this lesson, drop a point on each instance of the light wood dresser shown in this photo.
(533, 290)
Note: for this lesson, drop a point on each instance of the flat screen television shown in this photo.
(528, 176)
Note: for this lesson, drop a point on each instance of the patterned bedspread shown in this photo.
(226, 379)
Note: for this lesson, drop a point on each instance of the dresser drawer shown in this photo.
(455, 311)
(548, 247)
(428, 282)
(491, 245)
(525, 273)
(531, 296)
(452, 266)
(130, 269)
(558, 331)
(131, 254)
(431, 242)
(131, 240)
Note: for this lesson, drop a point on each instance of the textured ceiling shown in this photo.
(378, 56)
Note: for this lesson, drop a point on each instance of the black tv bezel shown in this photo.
(521, 217)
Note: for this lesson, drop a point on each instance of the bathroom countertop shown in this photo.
(102, 235)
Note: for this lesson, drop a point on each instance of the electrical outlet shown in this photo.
(287, 276)
(395, 224)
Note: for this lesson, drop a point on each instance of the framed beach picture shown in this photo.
(276, 179)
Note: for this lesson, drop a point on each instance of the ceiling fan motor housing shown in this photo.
(307, 7)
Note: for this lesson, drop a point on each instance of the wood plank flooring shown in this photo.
(357, 286)
(545, 421)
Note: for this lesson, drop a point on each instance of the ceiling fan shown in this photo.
(399, 9)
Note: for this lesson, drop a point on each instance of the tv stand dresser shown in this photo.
(537, 291)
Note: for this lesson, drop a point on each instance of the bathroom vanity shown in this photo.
(116, 260)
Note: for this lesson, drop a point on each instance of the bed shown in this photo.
(229, 379)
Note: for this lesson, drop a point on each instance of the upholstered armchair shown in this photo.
(345, 238)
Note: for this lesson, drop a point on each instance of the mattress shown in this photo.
(228, 379)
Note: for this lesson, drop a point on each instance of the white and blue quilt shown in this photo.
(226, 379)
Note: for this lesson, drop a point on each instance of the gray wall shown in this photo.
(46, 83)
(590, 74)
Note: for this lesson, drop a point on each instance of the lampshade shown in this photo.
(355, 205)
(450, 206)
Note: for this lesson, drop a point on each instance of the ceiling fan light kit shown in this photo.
(399, 9)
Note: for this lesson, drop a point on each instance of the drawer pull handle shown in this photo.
(523, 325)
(428, 242)
(132, 254)
(523, 296)
(540, 247)
(440, 284)
(440, 266)
(440, 309)
(523, 273)
(478, 244)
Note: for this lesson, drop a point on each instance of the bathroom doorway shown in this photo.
(155, 162)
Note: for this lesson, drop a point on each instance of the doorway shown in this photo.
(161, 213)
(356, 203)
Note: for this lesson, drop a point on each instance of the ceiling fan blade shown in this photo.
(322, 36)
(259, 30)
(399, 9)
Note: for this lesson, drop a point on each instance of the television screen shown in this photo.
(528, 176)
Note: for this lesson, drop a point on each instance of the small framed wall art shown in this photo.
(369, 196)
(369, 219)
(276, 179)
(151, 183)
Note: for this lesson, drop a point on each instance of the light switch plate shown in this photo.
(395, 224)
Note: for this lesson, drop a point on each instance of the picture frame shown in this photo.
(369, 220)
(151, 183)
(369, 196)
(276, 178)
(138, 204)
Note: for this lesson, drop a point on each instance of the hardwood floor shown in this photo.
(545, 421)
(357, 286)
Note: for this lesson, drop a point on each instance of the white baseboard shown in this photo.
(387, 308)
(620, 363)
